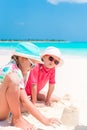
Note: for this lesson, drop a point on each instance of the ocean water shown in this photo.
(78, 49)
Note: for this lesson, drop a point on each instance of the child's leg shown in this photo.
(4, 108)
(10, 100)
(42, 96)
(54, 98)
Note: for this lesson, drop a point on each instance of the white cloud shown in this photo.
(69, 1)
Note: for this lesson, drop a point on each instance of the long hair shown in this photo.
(16, 59)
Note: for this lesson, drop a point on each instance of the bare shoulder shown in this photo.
(13, 77)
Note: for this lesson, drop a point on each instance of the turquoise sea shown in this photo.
(67, 48)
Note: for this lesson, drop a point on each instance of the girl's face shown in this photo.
(50, 61)
(25, 64)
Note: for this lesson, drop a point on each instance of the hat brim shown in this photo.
(35, 59)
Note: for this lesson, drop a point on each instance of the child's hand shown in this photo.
(53, 122)
(47, 102)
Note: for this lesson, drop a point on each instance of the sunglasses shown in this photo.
(56, 62)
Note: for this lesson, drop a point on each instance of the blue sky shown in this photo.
(43, 19)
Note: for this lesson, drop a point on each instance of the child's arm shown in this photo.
(49, 93)
(34, 93)
(31, 108)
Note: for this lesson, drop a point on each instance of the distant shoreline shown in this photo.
(34, 40)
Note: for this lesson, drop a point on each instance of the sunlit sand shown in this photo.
(71, 83)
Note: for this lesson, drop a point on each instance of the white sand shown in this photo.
(71, 78)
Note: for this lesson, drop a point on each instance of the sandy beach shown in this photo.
(70, 86)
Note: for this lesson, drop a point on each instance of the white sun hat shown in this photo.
(54, 52)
